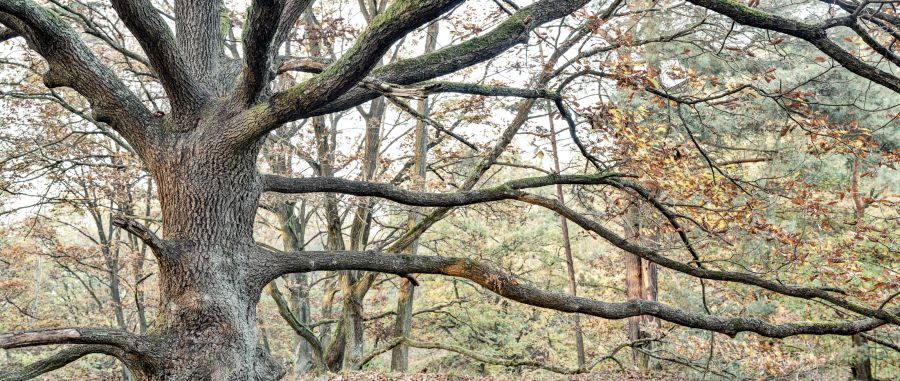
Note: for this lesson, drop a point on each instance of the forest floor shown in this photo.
(380, 376)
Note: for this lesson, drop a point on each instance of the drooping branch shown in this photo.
(59, 360)
(855, 65)
(885, 52)
(573, 133)
(123, 340)
(72, 64)
(728, 276)
(399, 19)
(514, 191)
(428, 120)
(262, 24)
(155, 37)
(505, 191)
(648, 196)
(503, 284)
(299, 328)
(817, 35)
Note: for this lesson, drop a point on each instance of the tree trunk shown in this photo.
(567, 247)
(292, 229)
(406, 294)
(640, 283)
(207, 324)
(862, 365)
(354, 284)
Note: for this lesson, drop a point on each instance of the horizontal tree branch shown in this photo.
(513, 191)
(303, 64)
(58, 360)
(123, 340)
(505, 191)
(728, 276)
(487, 90)
(503, 284)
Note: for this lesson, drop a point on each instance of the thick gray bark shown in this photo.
(208, 204)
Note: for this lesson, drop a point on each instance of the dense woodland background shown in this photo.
(772, 159)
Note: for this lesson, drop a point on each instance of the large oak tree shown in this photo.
(202, 153)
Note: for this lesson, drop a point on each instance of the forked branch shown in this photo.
(155, 37)
(513, 31)
(398, 20)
